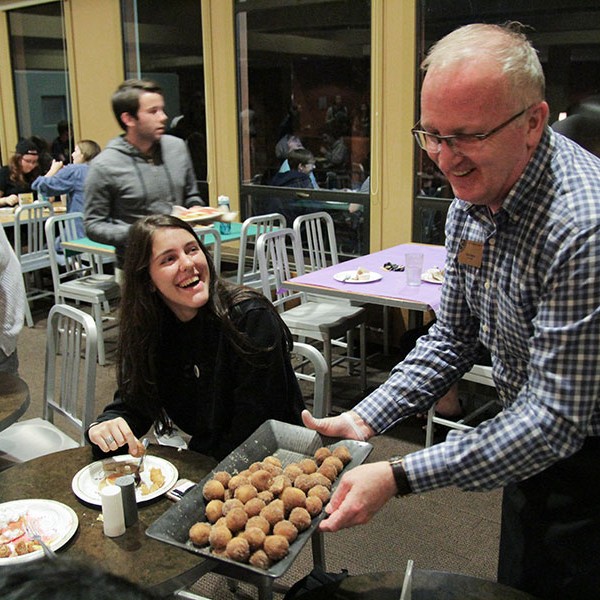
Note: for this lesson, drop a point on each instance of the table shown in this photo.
(7, 217)
(134, 555)
(14, 399)
(426, 585)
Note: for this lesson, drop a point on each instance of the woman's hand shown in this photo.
(111, 435)
(55, 167)
(9, 200)
(348, 425)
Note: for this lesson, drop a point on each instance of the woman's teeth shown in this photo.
(189, 282)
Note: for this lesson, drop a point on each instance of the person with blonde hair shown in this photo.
(522, 279)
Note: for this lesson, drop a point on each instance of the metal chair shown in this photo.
(215, 246)
(248, 273)
(478, 374)
(79, 280)
(323, 321)
(69, 388)
(33, 255)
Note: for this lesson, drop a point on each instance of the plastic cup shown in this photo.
(414, 267)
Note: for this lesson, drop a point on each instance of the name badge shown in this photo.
(470, 253)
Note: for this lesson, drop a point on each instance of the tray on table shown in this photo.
(289, 443)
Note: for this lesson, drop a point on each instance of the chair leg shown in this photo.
(363, 357)
(429, 428)
(28, 316)
(97, 310)
(327, 355)
(318, 549)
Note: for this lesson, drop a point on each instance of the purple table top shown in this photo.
(390, 290)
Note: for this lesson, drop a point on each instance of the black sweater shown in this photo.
(211, 392)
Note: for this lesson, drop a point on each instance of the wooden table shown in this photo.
(134, 555)
(14, 399)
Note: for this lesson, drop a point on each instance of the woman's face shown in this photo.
(28, 163)
(77, 156)
(179, 271)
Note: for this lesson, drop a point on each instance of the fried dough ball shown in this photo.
(260, 560)
(219, 537)
(280, 482)
(266, 496)
(276, 547)
(236, 481)
(255, 466)
(222, 522)
(231, 504)
(291, 498)
(320, 479)
(214, 510)
(321, 454)
(261, 480)
(4, 551)
(329, 471)
(238, 549)
(228, 494)
(254, 506)
(314, 505)
(236, 519)
(272, 460)
(343, 454)
(273, 469)
(308, 465)
(321, 492)
(21, 548)
(245, 473)
(255, 537)
(304, 482)
(223, 477)
(286, 529)
(259, 522)
(293, 471)
(199, 533)
(213, 490)
(300, 518)
(335, 461)
(245, 492)
(273, 512)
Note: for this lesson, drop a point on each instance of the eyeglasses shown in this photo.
(30, 161)
(463, 143)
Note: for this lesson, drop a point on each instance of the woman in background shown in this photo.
(17, 176)
(195, 350)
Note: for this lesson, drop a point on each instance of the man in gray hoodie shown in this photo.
(141, 172)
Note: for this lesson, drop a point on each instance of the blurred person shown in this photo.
(522, 279)
(12, 305)
(62, 144)
(209, 356)
(70, 179)
(16, 178)
(141, 172)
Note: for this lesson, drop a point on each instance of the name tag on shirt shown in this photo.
(470, 253)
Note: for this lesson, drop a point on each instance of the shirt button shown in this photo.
(492, 241)
(485, 328)
(487, 285)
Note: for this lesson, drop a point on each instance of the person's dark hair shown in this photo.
(143, 310)
(63, 127)
(127, 97)
(89, 149)
(300, 156)
(62, 579)
(16, 174)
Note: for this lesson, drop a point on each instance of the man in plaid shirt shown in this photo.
(522, 279)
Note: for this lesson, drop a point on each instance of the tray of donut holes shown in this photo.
(260, 505)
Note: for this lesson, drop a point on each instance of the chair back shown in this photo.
(319, 376)
(316, 233)
(30, 218)
(252, 229)
(215, 247)
(70, 381)
(278, 255)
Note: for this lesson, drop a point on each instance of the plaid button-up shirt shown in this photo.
(534, 304)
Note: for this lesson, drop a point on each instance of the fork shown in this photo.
(34, 534)
(136, 475)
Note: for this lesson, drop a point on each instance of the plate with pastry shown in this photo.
(157, 474)
(433, 275)
(360, 275)
(55, 522)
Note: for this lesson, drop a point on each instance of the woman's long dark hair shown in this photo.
(142, 311)
(16, 172)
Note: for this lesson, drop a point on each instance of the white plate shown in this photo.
(347, 277)
(86, 482)
(428, 276)
(55, 521)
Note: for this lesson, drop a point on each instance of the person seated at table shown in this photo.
(194, 349)
(69, 179)
(64, 579)
(17, 176)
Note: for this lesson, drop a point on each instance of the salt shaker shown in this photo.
(223, 202)
(130, 509)
(112, 511)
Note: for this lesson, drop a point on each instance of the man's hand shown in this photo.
(348, 426)
(361, 493)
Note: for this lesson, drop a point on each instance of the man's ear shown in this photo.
(538, 117)
(128, 119)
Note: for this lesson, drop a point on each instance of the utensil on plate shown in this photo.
(136, 474)
(34, 534)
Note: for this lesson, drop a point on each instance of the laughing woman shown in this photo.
(194, 350)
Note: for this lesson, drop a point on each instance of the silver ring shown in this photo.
(109, 440)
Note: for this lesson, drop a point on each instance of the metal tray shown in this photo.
(289, 443)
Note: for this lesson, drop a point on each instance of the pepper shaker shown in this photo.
(130, 510)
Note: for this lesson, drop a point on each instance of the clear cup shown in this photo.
(414, 267)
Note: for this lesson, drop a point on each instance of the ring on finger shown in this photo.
(109, 440)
